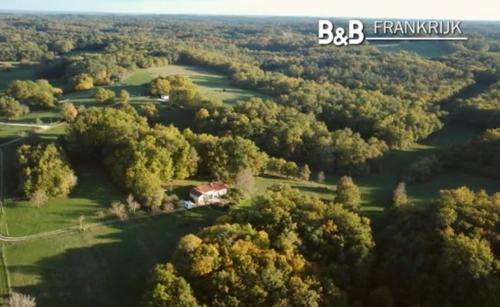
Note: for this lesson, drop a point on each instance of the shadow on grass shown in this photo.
(313, 189)
(111, 268)
(94, 183)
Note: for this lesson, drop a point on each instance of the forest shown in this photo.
(359, 176)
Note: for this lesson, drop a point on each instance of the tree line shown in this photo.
(290, 249)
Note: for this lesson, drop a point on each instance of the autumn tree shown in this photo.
(68, 111)
(348, 194)
(169, 289)
(82, 82)
(243, 269)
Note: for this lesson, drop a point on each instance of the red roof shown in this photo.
(209, 187)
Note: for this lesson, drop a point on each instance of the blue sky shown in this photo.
(439, 9)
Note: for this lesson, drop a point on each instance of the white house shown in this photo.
(164, 98)
(209, 193)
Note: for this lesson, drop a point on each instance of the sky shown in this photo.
(426, 9)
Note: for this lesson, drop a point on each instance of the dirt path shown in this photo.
(38, 126)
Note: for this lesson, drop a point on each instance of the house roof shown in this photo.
(209, 187)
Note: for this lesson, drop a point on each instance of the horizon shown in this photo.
(483, 10)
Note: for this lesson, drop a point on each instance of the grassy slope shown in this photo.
(91, 198)
(209, 83)
(101, 267)
(16, 73)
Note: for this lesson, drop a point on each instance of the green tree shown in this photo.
(45, 168)
(149, 110)
(442, 253)
(63, 46)
(399, 197)
(39, 93)
(11, 108)
(82, 82)
(169, 290)
(123, 96)
(159, 86)
(348, 194)
(104, 95)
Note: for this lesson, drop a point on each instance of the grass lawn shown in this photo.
(422, 193)
(105, 266)
(9, 132)
(90, 198)
(45, 116)
(210, 83)
(18, 72)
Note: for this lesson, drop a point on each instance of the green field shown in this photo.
(17, 72)
(105, 266)
(91, 198)
(423, 48)
(9, 132)
(210, 83)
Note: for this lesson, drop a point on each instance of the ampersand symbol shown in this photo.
(340, 38)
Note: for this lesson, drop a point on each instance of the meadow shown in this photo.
(210, 83)
(64, 270)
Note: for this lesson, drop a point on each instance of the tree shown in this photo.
(238, 267)
(82, 82)
(104, 95)
(159, 86)
(169, 289)
(141, 159)
(123, 96)
(223, 158)
(442, 253)
(348, 194)
(63, 46)
(45, 168)
(468, 258)
(245, 181)
(321, 177)
(21, 300)
(68, 111)
(305, 172)
(400, 197)
(11, 108)
(149, 110)
(339, 241)
(40, 93)
(132, 205)
(202, 114)
(38, 198)
(119, 210)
